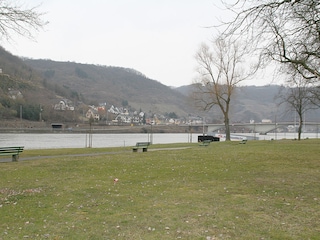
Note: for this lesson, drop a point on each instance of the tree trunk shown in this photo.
(300, 127)
(227, 126)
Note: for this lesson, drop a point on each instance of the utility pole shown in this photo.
(20, 116)
(40, 117)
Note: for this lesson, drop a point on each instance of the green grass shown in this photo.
(258, 190)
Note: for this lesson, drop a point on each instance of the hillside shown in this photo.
(40, 84)
(112, 85)
(20, 88)
(255, 103)
(32, 87)
(248, 103)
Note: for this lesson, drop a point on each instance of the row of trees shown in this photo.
(19, 108)
(285, 32)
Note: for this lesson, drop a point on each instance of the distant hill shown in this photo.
(36, 85)
(247, 103)
(255, 103)
(112, 85)
(20, 88)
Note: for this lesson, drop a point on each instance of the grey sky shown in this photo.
(157, 38)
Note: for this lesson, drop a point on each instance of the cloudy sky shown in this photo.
(158, 38)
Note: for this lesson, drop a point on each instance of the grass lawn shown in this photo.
(258, 190)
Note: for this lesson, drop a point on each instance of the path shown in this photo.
(2, 160)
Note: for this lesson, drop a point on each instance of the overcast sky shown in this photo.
(158, 38)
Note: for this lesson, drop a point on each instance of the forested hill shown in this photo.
(39, 84)
(114, 85)
(256, 103)
(43, 83)
(20, 85)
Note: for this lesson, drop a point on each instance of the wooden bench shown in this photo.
(141, 145)
(243, 141)
(205, 143)
(11, 151)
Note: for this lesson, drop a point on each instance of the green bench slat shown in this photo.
(205, 143)
(141, 145)
(13, 151)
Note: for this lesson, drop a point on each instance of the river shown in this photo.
(79, 140)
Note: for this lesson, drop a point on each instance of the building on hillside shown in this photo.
(266, 121)
(14, 94)
(93, 113)
(64, 105)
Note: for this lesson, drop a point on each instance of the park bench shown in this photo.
(11, 151)
(243, 141)
(141, 145)
(205, 143)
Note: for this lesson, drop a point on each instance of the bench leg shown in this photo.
(15, 158)
(144, 149)
(135, 149)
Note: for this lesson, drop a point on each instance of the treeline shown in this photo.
(10, 108)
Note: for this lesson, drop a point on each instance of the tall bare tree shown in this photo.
(299, 97)
(220, 70)
(287, 31)
(17, 19)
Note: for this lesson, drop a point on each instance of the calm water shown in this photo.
(70, 140)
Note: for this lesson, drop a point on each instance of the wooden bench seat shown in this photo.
(205, 143)
(11, 151)
(141, 145)
(243, 141)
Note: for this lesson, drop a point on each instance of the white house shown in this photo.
(93, 113)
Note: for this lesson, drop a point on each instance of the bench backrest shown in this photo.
(140, 144)
(11, 150)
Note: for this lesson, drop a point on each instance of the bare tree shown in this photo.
(15, 19)
(286, 31)
(220, 70)
(299, 97)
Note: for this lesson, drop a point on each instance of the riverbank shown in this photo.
(43, 127)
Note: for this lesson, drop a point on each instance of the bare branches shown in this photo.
(221, 68)
(286, 31)
(14, 19)
(299, 96)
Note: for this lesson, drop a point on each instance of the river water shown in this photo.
(78, 140)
